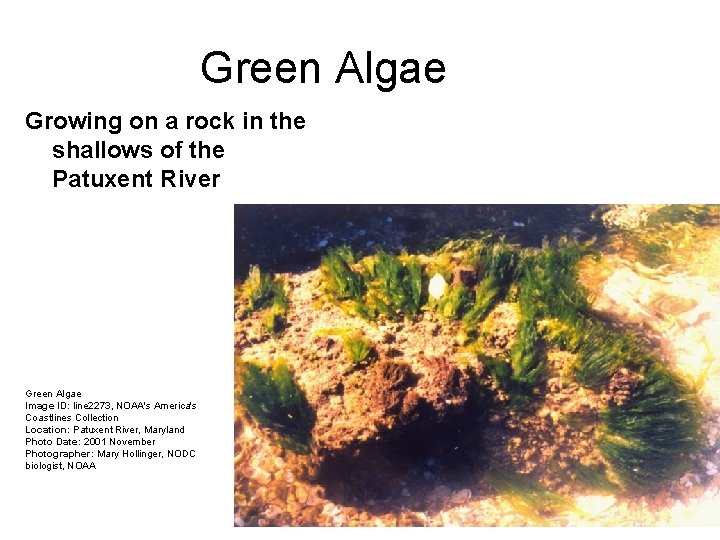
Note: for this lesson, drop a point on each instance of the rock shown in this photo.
(672, 305)
(336, 400)
(268, 464)
(388, 386)
(411, 400)
(315, 496)
(273, 511)
(443, 385)
(621, 386)
(448, 520)
(595, 504)
(262, 477)
(411, 407)
(309, 516)
(461, 496)
(301, 493)
(499, 329)
(465, 275)
(626, 216)
(328, 509)
(439, 492)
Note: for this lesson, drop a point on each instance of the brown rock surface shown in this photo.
(413, 388)
(384, 402)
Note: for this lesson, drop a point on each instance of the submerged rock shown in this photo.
(389, 403)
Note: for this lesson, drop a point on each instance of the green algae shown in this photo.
(600, 350)
(455, 302)
(394, 287)
(381, 285)
(262, 292)
(601, 353)
(273, 322)
(500, 266)
(499, 369)
(648, 438)
(668, 228)
(593, 477)
(274, 399)
(487, 295)
(644, 441)
(340, 281)
(357, 348)
(527, 496)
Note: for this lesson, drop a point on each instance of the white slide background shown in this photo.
(126, 294)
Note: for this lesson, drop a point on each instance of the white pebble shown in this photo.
(437, 286)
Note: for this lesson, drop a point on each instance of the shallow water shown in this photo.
(285, 238)
(659, 273)
(675, 297)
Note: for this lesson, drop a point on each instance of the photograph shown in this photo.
(476, 365)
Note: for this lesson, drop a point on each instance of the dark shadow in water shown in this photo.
(293, 237)
(400, 473)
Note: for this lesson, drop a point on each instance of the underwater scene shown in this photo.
(477, 365)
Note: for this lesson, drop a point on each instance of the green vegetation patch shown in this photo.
(593, 477)
(380, 285)
(455, 302)
(340, 281)
(528, 497)
(394, 287)
(274, 399)
(651, 420)
(262, 292)
(357, 348)
(667, 228)
(647, 438)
